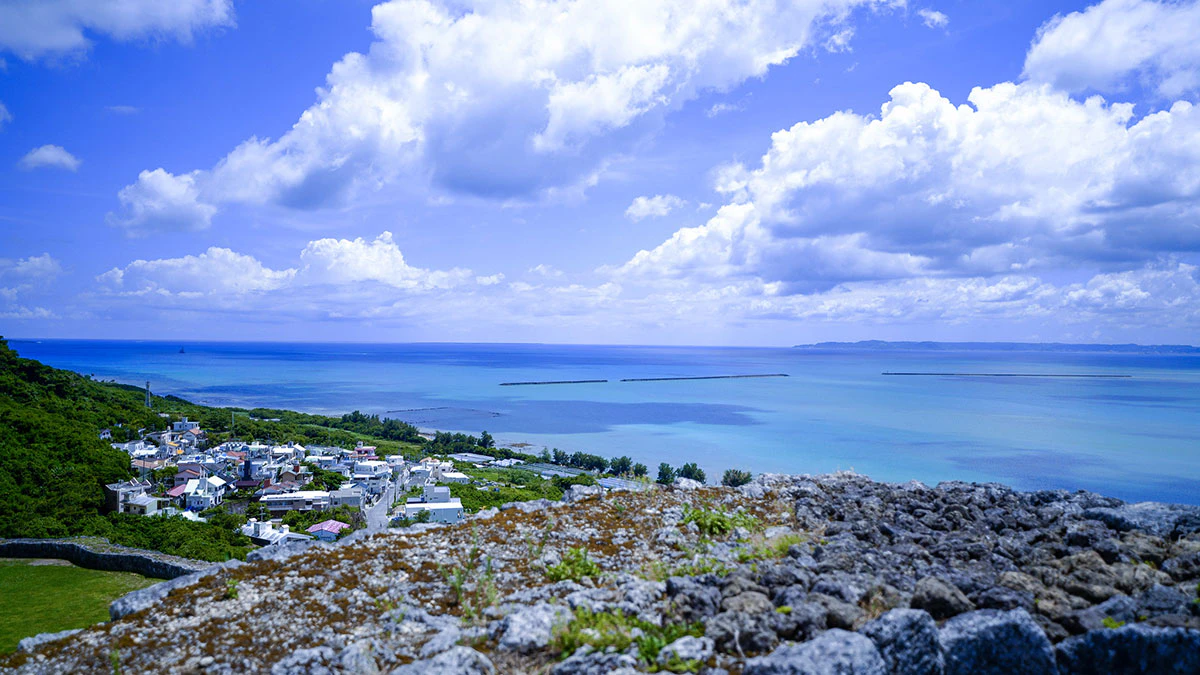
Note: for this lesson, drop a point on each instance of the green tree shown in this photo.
(486, 441)
(735, 477)
(640, 470)
(666, 475)
(621, 465)
(690, 470)
(324, 479)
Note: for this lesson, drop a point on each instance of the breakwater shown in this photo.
(1081, 375)
(649, 379)
(701, 377)
(521, 384)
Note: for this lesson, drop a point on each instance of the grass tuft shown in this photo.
(601, 630)
(575, 565)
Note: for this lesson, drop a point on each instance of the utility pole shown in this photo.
(147, 393)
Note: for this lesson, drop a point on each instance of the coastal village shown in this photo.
(179, 473)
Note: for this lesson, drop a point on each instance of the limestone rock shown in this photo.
(1131, 649)
(457, 661)
(907, 639)
(941, 599)
(992, 642)
(834, 652)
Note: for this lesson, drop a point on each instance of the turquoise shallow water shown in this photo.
(1135, 438)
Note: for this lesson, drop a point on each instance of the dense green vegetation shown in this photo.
(509, 485)
(300, 521)
(42, 598)
(53, 465)
(212, 541)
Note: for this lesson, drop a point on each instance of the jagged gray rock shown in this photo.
(34, 641)
(1157, 518)
(993, 642)
(1131, 650)
(687, 648)
(594, 663)
(457, 661)
(834, 652)
(907, 639)
(940, 598)
(145, 598)
(529, 629)
(741, 633)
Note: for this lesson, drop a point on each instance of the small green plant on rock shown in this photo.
(771, 549)
(661, 571)
(716, 522)
(1110, 622)
(231, 592)
(472, 583)
(601, 630)
(575, 565)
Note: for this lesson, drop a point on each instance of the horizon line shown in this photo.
(827, 343)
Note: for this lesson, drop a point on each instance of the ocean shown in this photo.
(1134, 437)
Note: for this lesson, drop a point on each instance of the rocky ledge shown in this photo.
(788, 574)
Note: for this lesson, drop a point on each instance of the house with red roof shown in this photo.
(328, 530)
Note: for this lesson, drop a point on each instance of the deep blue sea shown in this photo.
(1136, 438)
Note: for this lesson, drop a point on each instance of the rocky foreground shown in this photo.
(789, 574)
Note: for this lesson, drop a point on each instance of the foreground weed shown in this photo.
(472, 582)
(575, 565)
(716, 522)
(601, 630)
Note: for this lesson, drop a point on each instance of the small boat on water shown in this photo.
(181, 351)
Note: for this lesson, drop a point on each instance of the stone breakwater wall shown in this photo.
(118, 559)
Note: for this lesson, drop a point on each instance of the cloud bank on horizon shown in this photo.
(1060, 202)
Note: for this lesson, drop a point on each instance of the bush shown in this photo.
(666, 475)
(691, 471)
(735, 477)
(565, 482)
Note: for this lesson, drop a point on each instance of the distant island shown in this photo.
(882, 345)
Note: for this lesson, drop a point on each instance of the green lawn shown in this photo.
(42, 598)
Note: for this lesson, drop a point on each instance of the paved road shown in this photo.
(377, 516)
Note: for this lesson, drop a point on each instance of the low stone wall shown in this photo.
(113, 559)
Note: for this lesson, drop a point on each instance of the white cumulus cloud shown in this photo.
(653, 207)
(5, 116)
(933, 18)
(162, 202)
(1111, 44)
(49, 156)
(34, 29)
(1023, 178)
(513, 100)
(344, 261)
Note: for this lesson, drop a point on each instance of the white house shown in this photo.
(302, 500)
(437, 501)
(204, 493)
(454, 477)
(184, 425)
(266, 534)
(351, 496)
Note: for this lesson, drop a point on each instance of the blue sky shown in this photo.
(710, 172)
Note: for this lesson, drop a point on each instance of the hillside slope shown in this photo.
(788, 574)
